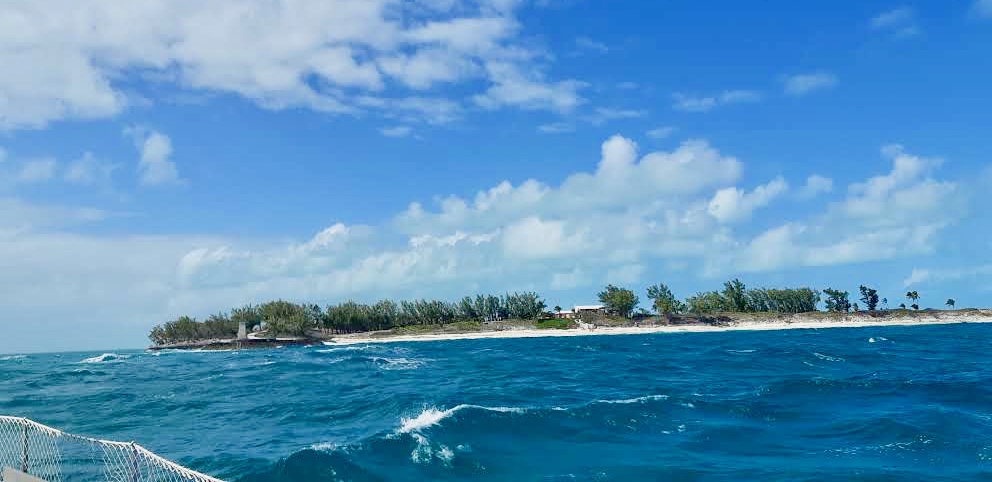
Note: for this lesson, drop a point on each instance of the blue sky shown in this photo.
(173, 157)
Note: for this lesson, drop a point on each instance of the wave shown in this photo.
(828, 357)
(383, 363)
(431, 416)
(12, 357)
(106, 358)
(345, 348)
(635, 400)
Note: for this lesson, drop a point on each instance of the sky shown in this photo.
(173, 157)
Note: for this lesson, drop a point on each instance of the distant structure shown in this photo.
(578, 311)
(242, 330)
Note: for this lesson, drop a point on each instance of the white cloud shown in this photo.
(36, 170)
(155, 167)
(3, 154)
(732, 204)
(586, 43)
(899, 22)
(688, 103)
(661, 132)
(512, 86)
(317, 54)
(815, 185)
(916, 277)
(398, 131)
(613, 222)
(803, 84)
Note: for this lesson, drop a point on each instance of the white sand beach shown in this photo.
(788, 323)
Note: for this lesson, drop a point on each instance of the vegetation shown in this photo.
(284, 318)
(913, 295)
(618, 301)
(869, 297)
(554, 324)
(736, 298)
(663, 300)
(837, 301)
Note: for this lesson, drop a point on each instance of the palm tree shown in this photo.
(950, 303)
(913, 295)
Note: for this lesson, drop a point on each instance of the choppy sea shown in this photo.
(880, 403)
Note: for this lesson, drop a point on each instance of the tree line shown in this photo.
(284, 318)
(735, 297)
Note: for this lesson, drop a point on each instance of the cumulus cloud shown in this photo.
(627, 213)
(155, 166)
(689, 103)
(732, 204)
(802, 84)
(321, 55)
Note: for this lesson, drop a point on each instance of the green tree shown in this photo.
(913, 295)
(618, 301)
(735, 294)
(950, 303)
(664, 302)
(706, 302)
(869, 297)
(837, 301)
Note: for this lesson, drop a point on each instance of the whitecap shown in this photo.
(324, 446)
(423, 452)
(397, 363)
(636, 400)
(445, 454)
(345, 348)
(431, 416)
(106, 358)
(827, 357)
(741, 351)
(12, 357)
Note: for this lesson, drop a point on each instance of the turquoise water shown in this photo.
(885, 403)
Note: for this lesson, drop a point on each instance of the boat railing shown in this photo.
(52, 455)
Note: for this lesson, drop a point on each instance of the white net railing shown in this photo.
(56, 456)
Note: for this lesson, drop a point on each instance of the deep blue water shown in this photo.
(883, 403)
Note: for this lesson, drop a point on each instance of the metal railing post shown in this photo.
(134, 463)
(24, 450)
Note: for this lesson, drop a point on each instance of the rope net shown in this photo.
(56, 456)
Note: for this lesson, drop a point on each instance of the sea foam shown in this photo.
(431, 416)
(106, 358)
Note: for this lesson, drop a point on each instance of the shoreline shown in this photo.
(688, 328)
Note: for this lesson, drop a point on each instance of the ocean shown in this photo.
(879, 403)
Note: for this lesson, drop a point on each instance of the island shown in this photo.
(519, 315)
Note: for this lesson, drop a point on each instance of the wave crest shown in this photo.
(431, 416)
(106, 358)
